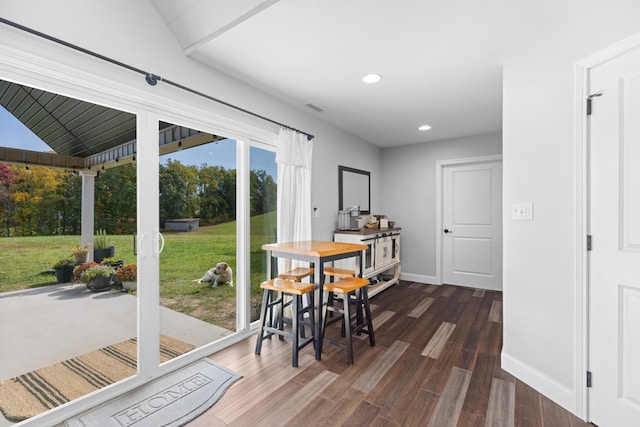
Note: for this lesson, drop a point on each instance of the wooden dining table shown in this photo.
(316, 253)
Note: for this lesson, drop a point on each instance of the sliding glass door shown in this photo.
(187, 211)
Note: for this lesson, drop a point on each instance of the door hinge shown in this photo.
(588, 379)
(590, 102)
(589, 239)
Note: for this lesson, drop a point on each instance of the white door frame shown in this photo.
(581, 142)
(440, 165)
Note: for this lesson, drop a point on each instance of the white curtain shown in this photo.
(294, 189)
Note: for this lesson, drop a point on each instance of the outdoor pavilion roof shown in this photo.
(82, 134)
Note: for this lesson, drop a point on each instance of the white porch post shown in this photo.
(88, 205)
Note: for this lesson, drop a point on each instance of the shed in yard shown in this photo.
(183, 224)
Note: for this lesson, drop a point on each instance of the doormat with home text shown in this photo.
(35, 392)
(172, 400)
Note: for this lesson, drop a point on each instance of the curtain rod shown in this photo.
(150, 78)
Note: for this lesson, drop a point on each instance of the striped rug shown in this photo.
(38, 391)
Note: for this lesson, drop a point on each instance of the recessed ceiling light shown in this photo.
(372, 78)
(424, 127)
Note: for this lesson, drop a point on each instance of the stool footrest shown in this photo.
(269, 331)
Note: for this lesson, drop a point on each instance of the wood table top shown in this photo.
(318, 248)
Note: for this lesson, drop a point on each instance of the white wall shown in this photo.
(539, 154)
(409, 195)
(328, 154)
(132, 32)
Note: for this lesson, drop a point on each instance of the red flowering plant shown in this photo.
(127, 273)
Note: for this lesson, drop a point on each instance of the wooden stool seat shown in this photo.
(345, 286)
(274, 291)
(296, 274)
(353, 291)
(343, 273)
(287, 286)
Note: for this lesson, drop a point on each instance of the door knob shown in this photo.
(446, 230)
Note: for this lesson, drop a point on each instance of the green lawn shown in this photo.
(186, 257)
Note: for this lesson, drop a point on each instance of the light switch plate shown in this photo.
(522, 211)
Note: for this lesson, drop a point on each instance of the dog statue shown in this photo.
(218, 275)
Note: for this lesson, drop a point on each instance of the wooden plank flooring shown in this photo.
(436, 362)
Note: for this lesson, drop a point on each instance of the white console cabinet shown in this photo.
(381, 259)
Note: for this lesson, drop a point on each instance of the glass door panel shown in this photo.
(263, 218)
(57, 327)
(198, 222)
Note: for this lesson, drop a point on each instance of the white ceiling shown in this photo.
(441, 61)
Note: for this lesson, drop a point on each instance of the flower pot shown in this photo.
(81, 258)
(130, 285)
(64, 275)
(100, 254)
(100, 284)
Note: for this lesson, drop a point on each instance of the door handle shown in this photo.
(447, 231)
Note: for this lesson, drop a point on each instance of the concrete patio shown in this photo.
(43, 326)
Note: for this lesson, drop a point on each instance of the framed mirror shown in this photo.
(354, 188)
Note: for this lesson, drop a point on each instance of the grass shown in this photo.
(186, 257)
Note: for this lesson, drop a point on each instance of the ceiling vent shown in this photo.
(314, 108)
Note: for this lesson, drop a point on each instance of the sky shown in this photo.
(14, 134)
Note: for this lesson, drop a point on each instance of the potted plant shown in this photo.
(79, 269)
(64, 270)
(128, 276)
(102, 246)
(81, 253)
(116, 264)
(98, 278)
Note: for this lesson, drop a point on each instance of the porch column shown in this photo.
(88, 205)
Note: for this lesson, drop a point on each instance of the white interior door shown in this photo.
(614, 308)
(472, 224)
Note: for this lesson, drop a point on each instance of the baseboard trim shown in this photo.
(545, 385)
(419, 278)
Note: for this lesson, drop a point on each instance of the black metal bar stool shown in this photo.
(352, 290)
(274, 291)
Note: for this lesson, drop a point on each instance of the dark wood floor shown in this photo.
(436, 363)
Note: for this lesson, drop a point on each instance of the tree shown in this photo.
(116, 196)
(71, 207)
(189, 175)
(6, 203)
(263, 197)
(217, 194)
(37, 194)
(173, 194)
(45, 201)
